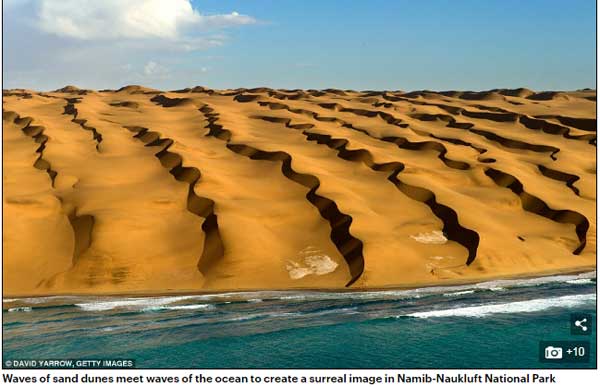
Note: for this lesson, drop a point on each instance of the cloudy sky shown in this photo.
(376, 44)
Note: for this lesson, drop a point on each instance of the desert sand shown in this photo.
(145, 191)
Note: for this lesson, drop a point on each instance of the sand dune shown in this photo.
(138, 190)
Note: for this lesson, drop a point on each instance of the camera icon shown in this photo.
(553, 353)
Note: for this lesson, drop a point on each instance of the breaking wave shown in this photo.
(142, 304)
(529, 306)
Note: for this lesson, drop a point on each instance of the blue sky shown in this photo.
(376, 44)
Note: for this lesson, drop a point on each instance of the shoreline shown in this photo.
(450, 283)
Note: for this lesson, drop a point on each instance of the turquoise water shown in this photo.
(490, 325)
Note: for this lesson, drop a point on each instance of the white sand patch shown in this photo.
(431, 238)
(313, 261)
(296, 271)
(437, 259)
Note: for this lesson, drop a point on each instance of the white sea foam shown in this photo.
(179, 307)
(253, 316)
(528, 306)
(580, 281)
(435, 237)
(244, 317)
(132, 303)
(567, 278)
(458, 293)
(20, 309)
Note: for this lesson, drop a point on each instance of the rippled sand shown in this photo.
(143, 191)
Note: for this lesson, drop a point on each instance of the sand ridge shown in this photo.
(140, 190)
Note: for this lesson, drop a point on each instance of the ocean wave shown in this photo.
(243, 318)
(537, 281)
(256, 316)
(458, 293)
(287, 315)
(20, 309)
(178, 307)
(529, 306)
(580, 281)
(141, 304)
(110, 329)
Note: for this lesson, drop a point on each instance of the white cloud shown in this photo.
(110, 43)
(232, 19)
(153, 69)
(170, 20)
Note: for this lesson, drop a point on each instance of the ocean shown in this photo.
(496, 324)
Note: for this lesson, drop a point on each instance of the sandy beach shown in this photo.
(141, 191)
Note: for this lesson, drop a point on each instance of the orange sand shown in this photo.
(142, 191)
